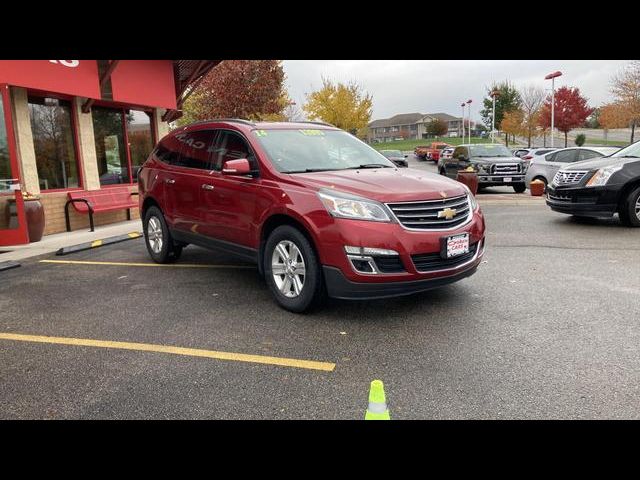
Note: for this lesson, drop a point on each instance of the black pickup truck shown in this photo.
(494, 164)
(600, 187)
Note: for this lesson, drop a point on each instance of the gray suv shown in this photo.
(494, 164)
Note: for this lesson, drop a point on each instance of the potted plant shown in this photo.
(536, 188)
(470, 178)
(34, 212)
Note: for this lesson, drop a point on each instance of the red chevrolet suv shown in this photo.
(318, 210)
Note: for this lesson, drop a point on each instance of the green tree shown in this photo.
(508, 99)
(580, 139)
(437, 128)
(346, 106)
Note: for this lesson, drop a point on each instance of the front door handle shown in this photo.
(206, 186)
(170, 181)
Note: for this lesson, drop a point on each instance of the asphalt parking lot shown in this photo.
(547, 328)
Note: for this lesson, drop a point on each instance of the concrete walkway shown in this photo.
(51, 243)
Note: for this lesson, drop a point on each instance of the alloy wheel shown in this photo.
(638, 207)
(154, 234)
(288, 268)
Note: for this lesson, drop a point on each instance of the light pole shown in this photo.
(463, 105)
(494, 94)
(469, 103)
(552, 77)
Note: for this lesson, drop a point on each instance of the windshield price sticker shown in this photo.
(261, 133)
(312, 133)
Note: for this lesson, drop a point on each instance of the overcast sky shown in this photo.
(430, 86)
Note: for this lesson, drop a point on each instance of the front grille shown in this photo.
(569, 177)
(432, 214)
(391, 264)
(559, 198)
(429, 262)
(506, 168)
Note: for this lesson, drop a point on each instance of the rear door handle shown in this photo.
(170, 181)
(206, 186)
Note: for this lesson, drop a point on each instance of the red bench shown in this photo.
(97, 201)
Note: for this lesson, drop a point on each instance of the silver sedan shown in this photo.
(544, 167)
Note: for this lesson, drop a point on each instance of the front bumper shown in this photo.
(418, 254)
(585, 201)
(487, 180)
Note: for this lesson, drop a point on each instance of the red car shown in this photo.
(319, 211)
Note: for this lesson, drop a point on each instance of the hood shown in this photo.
(497, 159)
(596, 163)
(384, 184)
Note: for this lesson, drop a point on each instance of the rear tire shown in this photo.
(293, 291)
(519, 187)
(629, 210)
(160, 244)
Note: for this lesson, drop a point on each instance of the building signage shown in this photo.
(70, 77)
(144, 82)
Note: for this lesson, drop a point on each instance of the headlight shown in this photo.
(482, 167)
(601, 177)
(343, 205)
(472, 199)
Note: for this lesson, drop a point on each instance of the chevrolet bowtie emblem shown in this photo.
(447, 213)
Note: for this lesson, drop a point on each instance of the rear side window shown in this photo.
(542, 152)
(196, 149)
(565, 156)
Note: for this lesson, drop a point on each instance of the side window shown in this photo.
(565, 156)
(168, 150)
(587, 154)
(231, 146)
(196, 149)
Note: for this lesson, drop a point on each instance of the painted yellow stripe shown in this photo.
(129, 264)
(96, 243)
(134, 235)
(190, 352)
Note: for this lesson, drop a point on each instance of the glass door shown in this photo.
(13, 229)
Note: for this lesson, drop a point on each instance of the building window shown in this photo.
(121, 152)
(108, 131)
(53, 141)
(140, 138)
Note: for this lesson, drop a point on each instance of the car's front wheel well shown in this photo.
(148, 202)
(274, 222)
(626, 190)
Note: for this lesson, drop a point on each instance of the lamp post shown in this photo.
(494, 94)
(552, 77)
(469, 103)
(463, 105)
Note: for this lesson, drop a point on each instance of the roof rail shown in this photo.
(316, 123)
(237, 120)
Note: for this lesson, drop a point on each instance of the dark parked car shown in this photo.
(494, 164)
(315, 221)
(396, 156)
(600, 187)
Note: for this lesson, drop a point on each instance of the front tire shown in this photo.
(160, 244)
(630, 209)
(292, 270)
(519, 187)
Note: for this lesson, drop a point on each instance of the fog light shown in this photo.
(369, 251)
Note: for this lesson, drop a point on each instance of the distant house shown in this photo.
(411, 126)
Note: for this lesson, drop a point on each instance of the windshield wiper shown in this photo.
(371, 165)
(310, 170)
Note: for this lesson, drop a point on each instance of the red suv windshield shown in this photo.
(304, 150)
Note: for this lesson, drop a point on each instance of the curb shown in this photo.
(8, 265)
(98, 243)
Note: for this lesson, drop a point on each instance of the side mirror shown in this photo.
(236, 167)
(406, 156)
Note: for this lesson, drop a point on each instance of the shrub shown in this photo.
(580, 139)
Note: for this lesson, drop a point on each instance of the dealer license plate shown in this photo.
(456, 245)
(507, 179)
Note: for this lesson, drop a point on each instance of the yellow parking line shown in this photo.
(96, 243)
(130, 264)
(190, 352)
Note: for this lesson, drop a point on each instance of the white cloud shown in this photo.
(402, 86)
